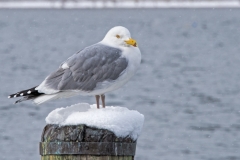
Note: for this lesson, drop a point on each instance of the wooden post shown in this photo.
(80, 142)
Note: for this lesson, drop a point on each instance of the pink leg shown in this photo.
(97, 100)
(103, 100)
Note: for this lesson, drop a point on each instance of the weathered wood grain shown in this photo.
(84, 157)
(80, 142)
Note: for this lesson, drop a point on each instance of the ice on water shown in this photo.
(119, 120)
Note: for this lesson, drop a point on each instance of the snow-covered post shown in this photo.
(82, 132)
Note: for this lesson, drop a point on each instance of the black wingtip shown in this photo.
(13, 95)
(23, 93)
(26, 94)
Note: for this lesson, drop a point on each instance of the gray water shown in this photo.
(187, 87)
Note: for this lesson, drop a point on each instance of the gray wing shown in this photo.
(88, 67)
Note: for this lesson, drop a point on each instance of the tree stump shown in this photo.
(81, 142)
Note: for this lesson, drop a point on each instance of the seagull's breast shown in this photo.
(133, 55)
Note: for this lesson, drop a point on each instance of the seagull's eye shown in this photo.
(117, 36)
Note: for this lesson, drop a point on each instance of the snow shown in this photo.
(120, 120)
(120, 4)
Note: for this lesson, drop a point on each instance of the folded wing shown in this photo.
(85, 69)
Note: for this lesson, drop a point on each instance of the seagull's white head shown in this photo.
(119, 36)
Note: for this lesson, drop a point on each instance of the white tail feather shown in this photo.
(44, 98)
(47, 97)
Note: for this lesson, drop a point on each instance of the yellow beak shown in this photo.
(132, 42)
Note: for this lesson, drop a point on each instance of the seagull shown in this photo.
(94, 70)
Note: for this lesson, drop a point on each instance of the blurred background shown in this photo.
(187, 87)
(119, 4)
